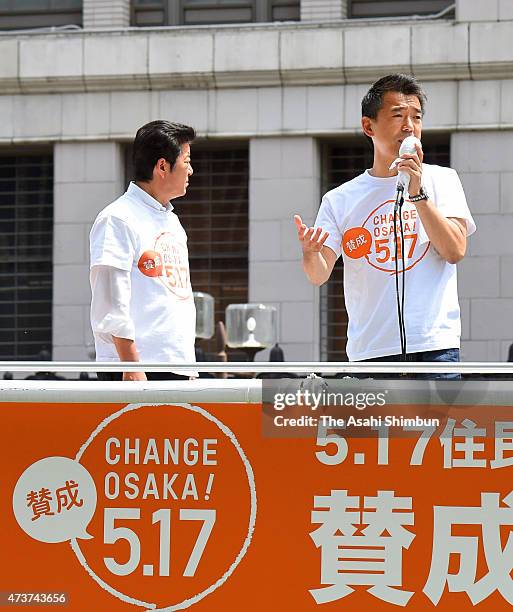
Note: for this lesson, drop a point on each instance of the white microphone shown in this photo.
(408, 147)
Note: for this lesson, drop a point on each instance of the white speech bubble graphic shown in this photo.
(54, 500)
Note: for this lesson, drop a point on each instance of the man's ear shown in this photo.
(367, 127)
(160, 166)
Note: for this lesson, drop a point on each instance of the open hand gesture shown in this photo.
(309, 237)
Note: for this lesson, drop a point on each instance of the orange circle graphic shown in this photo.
(357, 242)
(150, 263)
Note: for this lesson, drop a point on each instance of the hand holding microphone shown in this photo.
(409, 165)
(409, 180)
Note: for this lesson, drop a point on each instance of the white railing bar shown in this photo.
(204, 390)
(297, 367)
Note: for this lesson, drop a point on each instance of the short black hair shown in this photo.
(373, 100)
(156, 140)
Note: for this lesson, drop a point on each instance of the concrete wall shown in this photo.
(477, 10)
(106, 13)
(485, 163)
(219, 58)
(323, 10)
(284, 180)
(88, 176)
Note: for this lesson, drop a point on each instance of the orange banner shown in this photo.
(169, 507)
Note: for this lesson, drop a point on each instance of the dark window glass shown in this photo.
(398, 8)
(27, 14)
(26, 239)
(198, 12)
(342, 161)
(214, 214)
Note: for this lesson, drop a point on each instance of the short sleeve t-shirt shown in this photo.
(137, 234)
(359, 217)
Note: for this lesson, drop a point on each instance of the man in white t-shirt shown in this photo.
(142, 306)
(356, 220)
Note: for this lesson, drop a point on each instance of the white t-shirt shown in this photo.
(359, 217)
(138, 235)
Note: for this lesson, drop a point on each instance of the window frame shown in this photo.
(369, 9)
(17, 258)
(174, 12)
(45, 17)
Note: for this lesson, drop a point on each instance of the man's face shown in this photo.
(178, 177)
(399, 117)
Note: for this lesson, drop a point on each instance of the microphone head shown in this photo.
(408, 145)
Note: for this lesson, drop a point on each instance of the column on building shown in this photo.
(106, 13)
(477, 10)
(484, 161)
(284, 180)
(88, 176)
(323, 10)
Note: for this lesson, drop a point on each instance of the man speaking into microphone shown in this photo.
(399, 247)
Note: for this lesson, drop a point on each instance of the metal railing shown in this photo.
(235, 367)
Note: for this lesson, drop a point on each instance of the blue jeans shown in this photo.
(451, 354)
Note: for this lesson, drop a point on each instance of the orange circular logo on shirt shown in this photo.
(150, 263)
(175, 265)
(386, 247)
(357, 242)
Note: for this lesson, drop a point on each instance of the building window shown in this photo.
(26, 242)
(26, 14)
(214, 213)
(398, 8)
(198, 12)
(342, 161)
